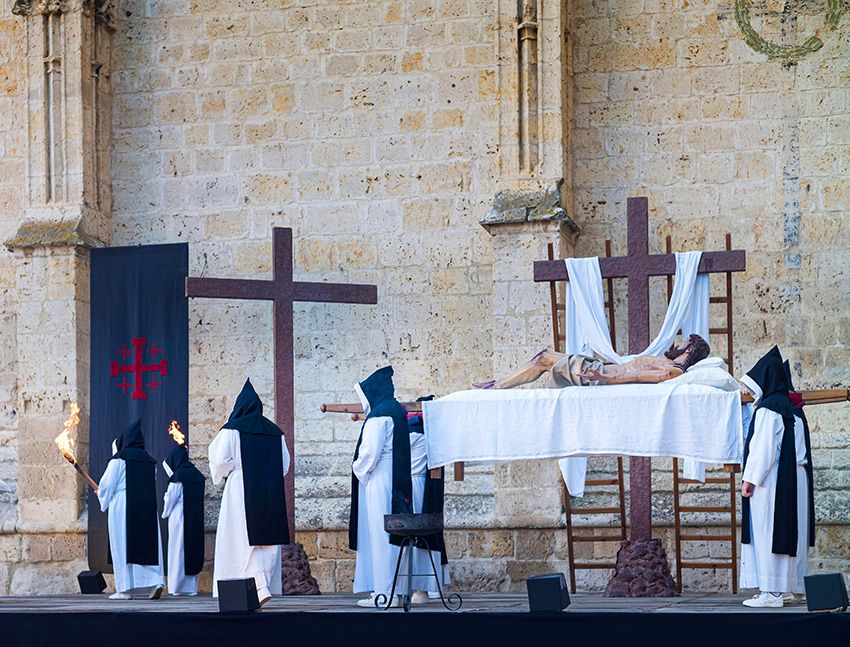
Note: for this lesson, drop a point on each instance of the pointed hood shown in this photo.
(247, 415)
(767, 376)
(179, 468)
(376, 388)
(130, 446)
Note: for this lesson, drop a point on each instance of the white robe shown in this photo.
(421, 563)
(761, 568)
(376, 557)
(178, 582)
(234, 556)
(112, 494)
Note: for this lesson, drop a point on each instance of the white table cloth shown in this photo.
(693, 421)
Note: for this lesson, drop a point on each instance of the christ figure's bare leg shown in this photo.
(525, 374)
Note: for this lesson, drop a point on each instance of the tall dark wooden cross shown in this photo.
(637, 267)
(282, 291)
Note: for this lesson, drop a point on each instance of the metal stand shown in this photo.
(384, 602)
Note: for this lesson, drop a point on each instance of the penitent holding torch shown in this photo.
(66, 444)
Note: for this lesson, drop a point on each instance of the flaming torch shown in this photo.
(66, 444)
(178, 436)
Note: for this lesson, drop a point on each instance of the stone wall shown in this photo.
(12, 180)
(380, 132)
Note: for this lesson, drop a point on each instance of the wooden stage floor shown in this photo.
(701, 603)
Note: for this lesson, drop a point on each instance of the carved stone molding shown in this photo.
(512, 206)
(104, 10)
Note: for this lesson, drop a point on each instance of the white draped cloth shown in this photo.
(172, 509)
(112, 494)
(587, 331)
(234, 556)
(679, 417)
(760, 567)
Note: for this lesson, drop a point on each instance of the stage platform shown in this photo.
(497, 618)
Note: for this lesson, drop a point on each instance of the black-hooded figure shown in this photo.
(183, 506)
(250, 453)
(775, 530)
(127, 492)
(380, 484)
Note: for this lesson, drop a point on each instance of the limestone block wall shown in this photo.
(12, 181)
(370, 128)
(671, 103)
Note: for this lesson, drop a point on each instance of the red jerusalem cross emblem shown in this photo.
(138, 368)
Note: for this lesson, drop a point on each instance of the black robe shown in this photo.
(379, 391)
(798, 411)
(262, 470)
(769, 374)
(142, 526)
(193, 508)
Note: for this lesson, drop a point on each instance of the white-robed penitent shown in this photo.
(373, 467)
(172, 509)
(421, 562)
(234, 556)
(760, 567)
(112, 495)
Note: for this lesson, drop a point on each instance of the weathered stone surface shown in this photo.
(295, 571)
(516, 205)
(642, 571)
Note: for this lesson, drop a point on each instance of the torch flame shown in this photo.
(174, 431)
(64, 440)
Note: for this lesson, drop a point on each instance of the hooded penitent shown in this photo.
(378, 393)
(180, 470)
(262, 470)
(142, 526)
(434, 495)
(768, 382)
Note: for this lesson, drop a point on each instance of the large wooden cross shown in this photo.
(282, 291)
(637, 267)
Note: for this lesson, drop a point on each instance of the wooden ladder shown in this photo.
(731, 509)
(619, 481)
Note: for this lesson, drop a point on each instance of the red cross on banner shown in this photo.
(138, 368)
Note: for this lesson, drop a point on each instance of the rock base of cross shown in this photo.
(295, 571)
(642, 571)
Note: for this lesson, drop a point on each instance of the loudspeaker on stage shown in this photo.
(236, 596)
(547, 593)
(825, 592)
(91, 582)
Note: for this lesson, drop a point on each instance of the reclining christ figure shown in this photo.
(581, 370)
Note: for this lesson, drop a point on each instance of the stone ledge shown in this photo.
(51, 233)
(516, 206)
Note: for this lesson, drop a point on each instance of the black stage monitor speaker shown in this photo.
(826, 592)
(236, 596)
(91, 582)
(547, 593)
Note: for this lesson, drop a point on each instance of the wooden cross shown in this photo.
(282, 291)
(637, 267)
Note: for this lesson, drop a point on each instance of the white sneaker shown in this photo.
(264, 595)
(788, 598)
(120, 596)
(419, 597)
(764, 601)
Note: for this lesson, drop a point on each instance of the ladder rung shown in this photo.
(705, 537)
(562, 338)
(718, 331)
(719, 300)
(561, 307)
(599, 538)
(703, 508)
(589, 565)
(602, 482)
(595, 510)
(706, 564)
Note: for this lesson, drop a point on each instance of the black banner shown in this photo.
(139, 361)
